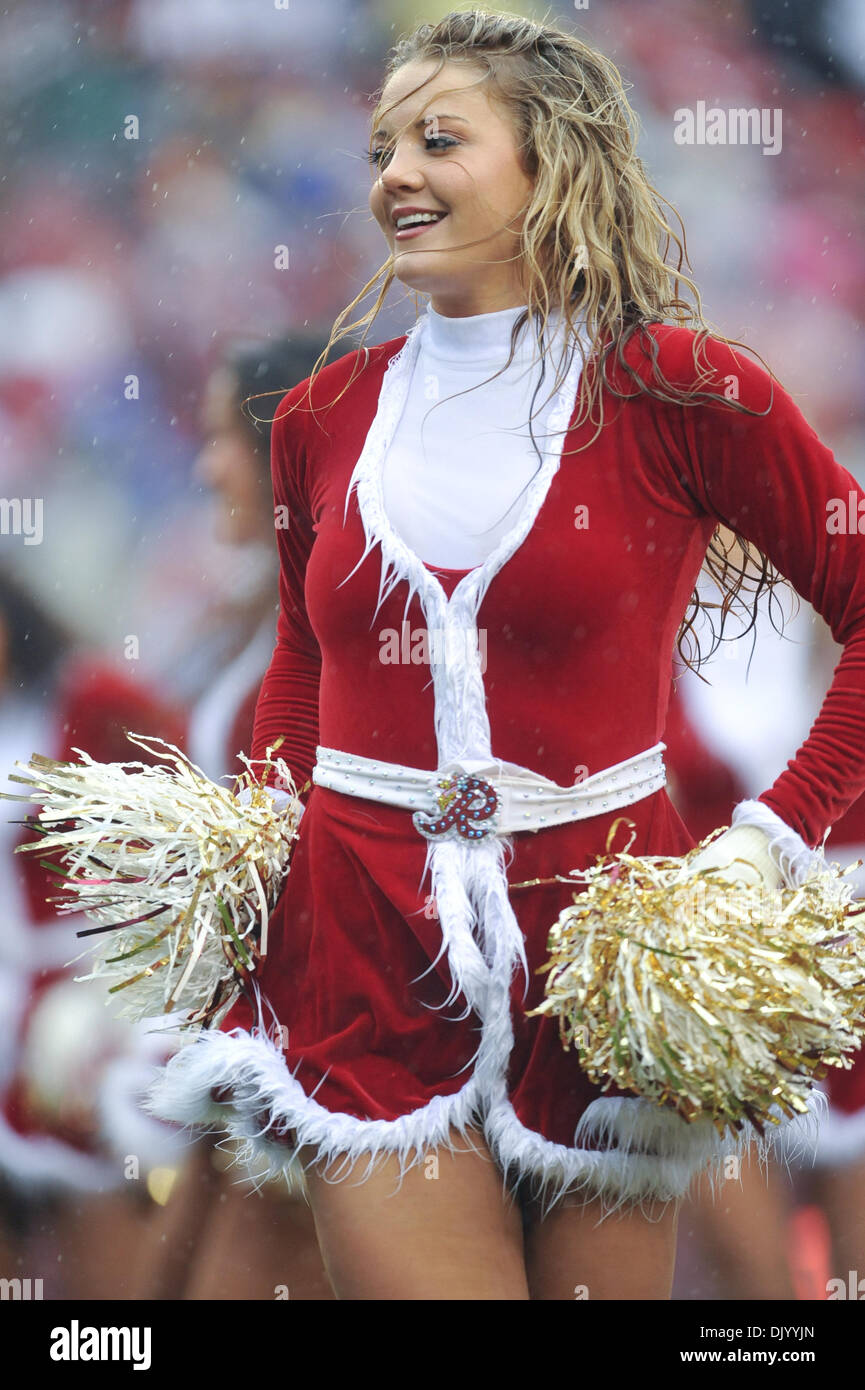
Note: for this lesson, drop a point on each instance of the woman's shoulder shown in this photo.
(690, 360)
(344, 381)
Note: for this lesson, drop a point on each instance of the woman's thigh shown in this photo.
(572, 1253)
(447, 1230)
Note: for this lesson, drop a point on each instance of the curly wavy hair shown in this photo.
(594, 242)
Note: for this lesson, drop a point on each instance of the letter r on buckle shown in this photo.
(467, 809)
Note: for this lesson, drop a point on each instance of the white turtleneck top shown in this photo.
(455, 474)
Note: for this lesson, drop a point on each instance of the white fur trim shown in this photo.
(645, 1153)
(255, 1069)
(794, 859)
(841, 1140)
(125, 1127)
(38, 1163)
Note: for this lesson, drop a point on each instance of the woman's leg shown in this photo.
(258, 1245)
(572, 1254)
(449, 1230)
(99, 1238)
(842, 1196)
(170, 1245)
(743, 1229)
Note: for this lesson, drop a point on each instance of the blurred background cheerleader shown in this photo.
(220, 1236)
(76, 1151)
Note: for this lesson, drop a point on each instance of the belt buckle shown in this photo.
(468, 808)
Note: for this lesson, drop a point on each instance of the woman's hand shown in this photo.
(281, 799)
(741, 853)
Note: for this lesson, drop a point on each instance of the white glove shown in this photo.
(280, 798)
(776, 854)
(759, 850)
(743, 852)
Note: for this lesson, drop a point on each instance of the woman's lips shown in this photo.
(403, 234)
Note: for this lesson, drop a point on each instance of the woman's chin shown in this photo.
(412, 281)
(421, 271)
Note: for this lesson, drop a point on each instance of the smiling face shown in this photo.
(448, 150)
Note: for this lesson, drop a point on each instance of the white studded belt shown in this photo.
(471, 798)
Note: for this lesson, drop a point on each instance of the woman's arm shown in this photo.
(770, 478)
(288, 700)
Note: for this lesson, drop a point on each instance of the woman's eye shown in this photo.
(436, 140)
(379, 157)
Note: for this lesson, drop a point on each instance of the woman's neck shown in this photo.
(482, 337)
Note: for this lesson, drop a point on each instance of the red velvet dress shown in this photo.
(580, 623)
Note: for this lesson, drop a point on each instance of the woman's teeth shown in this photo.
(415, 218)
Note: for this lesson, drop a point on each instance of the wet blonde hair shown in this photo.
(576, 135)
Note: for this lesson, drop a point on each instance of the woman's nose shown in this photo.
(401, 171)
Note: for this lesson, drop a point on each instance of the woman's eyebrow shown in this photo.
(425, 120)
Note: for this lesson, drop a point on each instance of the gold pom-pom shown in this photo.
(715, 998)
(179, 872)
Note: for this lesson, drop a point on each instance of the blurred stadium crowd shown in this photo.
(186, 180)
